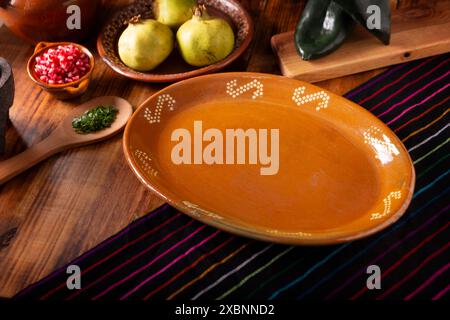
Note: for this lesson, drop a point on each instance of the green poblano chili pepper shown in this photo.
(322, 28)
(324, 24)
(96, 119)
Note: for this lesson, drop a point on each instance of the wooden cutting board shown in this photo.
(417, 32)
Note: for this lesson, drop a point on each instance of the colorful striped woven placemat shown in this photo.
(170, 256)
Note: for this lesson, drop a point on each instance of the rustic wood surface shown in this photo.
(68, 204)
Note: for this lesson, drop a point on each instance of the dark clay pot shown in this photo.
(46, 20)
(6, 98)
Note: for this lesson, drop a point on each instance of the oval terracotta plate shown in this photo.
(270, 158)
(174, 68)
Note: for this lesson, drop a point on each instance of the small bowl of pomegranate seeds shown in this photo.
(63, 68)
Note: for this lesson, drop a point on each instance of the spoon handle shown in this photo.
(17, 164)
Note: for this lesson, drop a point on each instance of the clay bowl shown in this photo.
(174, 68)
(61, 91)
(46, 20)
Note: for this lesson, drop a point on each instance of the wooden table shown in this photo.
(68, 204)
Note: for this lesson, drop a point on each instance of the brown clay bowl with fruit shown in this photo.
(72, 85)
(174, 68)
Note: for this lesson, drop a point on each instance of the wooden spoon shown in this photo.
(64, 137)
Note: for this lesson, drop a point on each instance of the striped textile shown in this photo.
(167, 255)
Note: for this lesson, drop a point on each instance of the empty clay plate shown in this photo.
(340, 174)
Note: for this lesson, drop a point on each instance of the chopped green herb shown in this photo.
(96, 119)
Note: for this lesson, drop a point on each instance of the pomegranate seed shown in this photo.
(63, 64)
